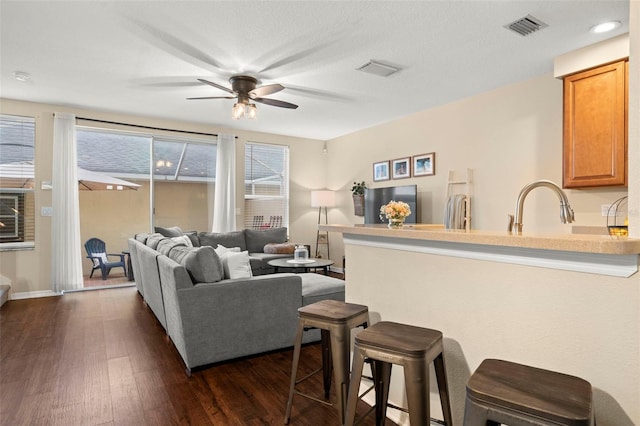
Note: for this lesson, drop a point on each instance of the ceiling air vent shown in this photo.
(527, 25)
(377, 68)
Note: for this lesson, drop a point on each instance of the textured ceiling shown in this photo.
(144, 57)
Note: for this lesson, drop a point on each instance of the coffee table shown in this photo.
(302, 264)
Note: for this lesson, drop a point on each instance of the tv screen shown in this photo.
(376, 197)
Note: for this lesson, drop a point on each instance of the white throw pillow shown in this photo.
(102, 256)
(220, 250)
(236, 264)
(183, 240)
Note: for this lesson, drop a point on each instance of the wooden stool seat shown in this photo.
(335, 319)
(414, 348)
(516, 394)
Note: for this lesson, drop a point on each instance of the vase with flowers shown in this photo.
(396, 212)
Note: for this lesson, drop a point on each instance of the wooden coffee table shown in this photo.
(304, 265)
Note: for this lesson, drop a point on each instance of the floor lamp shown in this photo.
(322, 199)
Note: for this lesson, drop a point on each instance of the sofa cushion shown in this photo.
(316, 287)
(227, 239)
(236, 265)
(174, 231)
(202, 263)
(256, 240)
(193, 236)
(279, 248)
(166, 245)
(154, 239)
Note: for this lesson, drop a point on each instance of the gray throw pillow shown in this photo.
(174, 231)
(154, 239)
(227, 239)
(142, 237)
(166, 245)
(193, 236)
(202, 263)
(256, 240)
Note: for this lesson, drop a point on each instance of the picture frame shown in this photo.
(401, 168)
(424, 164)
(381, 171)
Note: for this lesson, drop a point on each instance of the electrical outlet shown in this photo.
(46, 211)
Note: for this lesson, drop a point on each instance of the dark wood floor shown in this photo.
(101, 358)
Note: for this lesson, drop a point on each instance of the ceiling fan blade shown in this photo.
(265, 90)
(213, 97)
(216, 85)
(275, 102)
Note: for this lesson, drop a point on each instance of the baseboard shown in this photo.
(33, 294)
(336, 269)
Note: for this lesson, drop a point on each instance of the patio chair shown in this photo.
(97, 252)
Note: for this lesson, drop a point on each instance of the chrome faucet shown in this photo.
(566, 212)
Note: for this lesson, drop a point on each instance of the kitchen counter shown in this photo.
(567, 303)
(584, 243)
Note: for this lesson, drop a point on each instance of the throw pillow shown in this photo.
(202, 263)
(193, 236)
(236, 265)
(256, 240)
(154, 239)
(102, 256)
(183, 240)
(174, 231)
(228, 239)
(165, 246)
(283, 248)
(221, 250)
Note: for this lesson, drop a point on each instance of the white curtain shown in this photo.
(224, 208)
(66, 258)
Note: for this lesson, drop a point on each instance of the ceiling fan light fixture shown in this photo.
(238, 111)
(251, 111)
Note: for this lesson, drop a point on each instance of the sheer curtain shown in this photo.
(66, 257)
(224, 208)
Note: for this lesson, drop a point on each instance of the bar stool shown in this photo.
(414, 348)
(519, 395)
(335, 319)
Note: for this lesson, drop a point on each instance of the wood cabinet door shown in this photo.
(595, 139)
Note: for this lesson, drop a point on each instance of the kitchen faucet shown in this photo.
(566, 212)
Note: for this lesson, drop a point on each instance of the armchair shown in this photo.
(97, 253)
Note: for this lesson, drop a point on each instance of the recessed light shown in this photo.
(605, 27)
(21, 76)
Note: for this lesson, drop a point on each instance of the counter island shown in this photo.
(568, 303)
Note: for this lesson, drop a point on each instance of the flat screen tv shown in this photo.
(376, 197)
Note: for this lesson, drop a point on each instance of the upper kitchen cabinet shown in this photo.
(595, 127)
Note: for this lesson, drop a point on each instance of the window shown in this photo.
(266, 186)
(17, 197)
(180, 193)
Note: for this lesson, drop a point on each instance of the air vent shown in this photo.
(379, 69)
(527, 25)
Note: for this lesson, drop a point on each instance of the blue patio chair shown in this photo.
(97, 253)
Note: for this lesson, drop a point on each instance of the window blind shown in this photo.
(17, 180)
(266, 186)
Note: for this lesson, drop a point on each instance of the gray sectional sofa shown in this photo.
(211, 318)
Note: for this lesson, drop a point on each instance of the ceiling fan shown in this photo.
(244, 89)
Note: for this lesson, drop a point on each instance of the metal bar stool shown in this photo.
(335, 319)
(519, 395)
(414, 348)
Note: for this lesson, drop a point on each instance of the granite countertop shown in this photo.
(584, 243)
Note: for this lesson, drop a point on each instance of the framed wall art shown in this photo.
(424, 164)
(401, 168)
(380, 171)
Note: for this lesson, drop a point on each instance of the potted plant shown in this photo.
(357, 192)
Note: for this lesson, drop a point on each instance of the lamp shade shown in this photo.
(323, 198)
